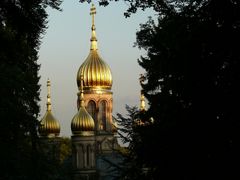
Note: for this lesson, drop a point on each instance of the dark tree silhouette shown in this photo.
(22, 22)
(192, 75)
(192, 71)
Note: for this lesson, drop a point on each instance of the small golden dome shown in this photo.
(82, 122)
(49, 126)
(96, 73)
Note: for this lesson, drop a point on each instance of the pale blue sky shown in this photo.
(65, 46)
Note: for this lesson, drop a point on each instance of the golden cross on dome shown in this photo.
(92, 13)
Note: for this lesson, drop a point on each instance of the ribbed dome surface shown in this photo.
(96, 73)
(49, 125)
(82, 121)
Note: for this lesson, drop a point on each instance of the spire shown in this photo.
(81, 93)
(49, 126)
(142, 102)
(49, 105)
(93, 38)
(142, 98)
(96, 73)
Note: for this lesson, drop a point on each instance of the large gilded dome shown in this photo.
(96, 73)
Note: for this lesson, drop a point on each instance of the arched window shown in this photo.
(91, 108)
(102, 115)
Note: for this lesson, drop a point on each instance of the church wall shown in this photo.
(97, 98)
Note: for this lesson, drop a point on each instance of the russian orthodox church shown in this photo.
(93, 130)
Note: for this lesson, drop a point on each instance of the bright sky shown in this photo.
(66, 44)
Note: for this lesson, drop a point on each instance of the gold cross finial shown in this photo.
(93, 38)
(93, 10)
(92, 13)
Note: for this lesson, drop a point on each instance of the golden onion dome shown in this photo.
(96, 73)
(49, 126)
(82, 122)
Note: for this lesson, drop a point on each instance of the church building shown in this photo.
(93, 131)
(92, 126)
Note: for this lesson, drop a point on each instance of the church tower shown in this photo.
(94, 135)
(83, 142)
(97, 84)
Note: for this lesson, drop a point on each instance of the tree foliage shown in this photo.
(128, 134)
(22, 22)
(54, 159)
(192, 71)
(192, 74)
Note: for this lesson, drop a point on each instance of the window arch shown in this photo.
(103, 115)
(91, 108)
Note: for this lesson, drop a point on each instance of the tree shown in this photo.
(192, 71)
(22, 22)
(192, 74)
(129, 134)
(55, 159)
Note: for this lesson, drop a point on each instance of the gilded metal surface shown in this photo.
(82, 121)
(96, 73)
(142, 97)
(49, 126)
(49, 105)
(142, 102)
